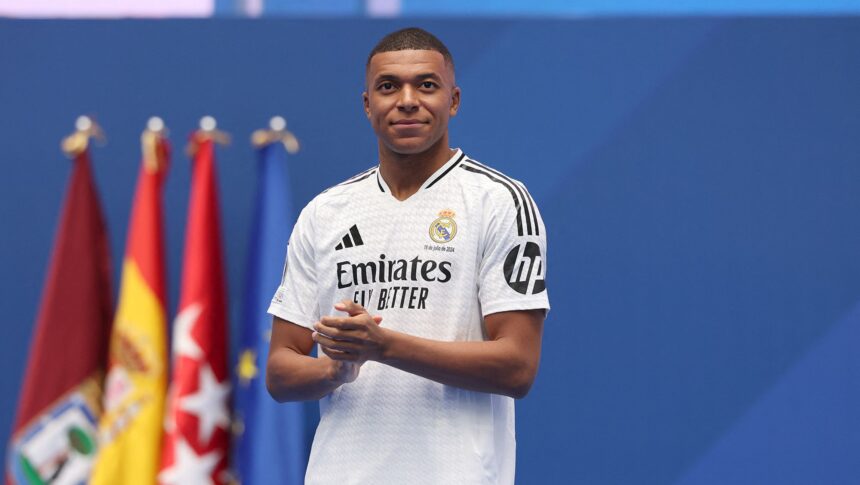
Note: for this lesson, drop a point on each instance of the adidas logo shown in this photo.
(352, 238)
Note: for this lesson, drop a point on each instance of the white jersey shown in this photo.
(469, 243)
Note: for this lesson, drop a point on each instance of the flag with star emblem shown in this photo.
(270, 444)
(197, 421)
(135, 387)
(54, 438)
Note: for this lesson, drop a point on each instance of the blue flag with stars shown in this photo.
(270, 445)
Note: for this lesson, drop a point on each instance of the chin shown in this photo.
(409, 148)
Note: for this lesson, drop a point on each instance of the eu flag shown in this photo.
(270, 443)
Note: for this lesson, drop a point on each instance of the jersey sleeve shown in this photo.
(513, 267)
(295, 299)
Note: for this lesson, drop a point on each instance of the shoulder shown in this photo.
(337, 197)
(346, 189)
(495, 183)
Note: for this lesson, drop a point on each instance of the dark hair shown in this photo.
(411, 38)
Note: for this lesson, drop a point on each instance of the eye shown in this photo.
(428, 85)
(385, 86)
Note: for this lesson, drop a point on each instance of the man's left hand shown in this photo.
(356, 337)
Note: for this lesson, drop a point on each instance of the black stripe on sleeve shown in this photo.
(358, 179)
(510, 181)
(532, 207)
(517, 204)
(446, 171)
(355, 178)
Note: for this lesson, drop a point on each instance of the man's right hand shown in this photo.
(343, 372)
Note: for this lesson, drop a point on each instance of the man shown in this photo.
(422, 282)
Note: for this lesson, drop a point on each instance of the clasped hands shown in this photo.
(352, 339)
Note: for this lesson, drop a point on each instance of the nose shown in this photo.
(408, 99)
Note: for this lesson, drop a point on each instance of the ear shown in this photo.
(366, 100)
(455, 101)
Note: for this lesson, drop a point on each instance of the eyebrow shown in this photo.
(392, 77)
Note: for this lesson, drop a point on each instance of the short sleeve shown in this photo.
(295, 299)
(513, 267)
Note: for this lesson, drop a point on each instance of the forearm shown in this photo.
(494, 366)
(291, 376)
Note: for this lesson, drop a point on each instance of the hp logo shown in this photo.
(524, 269)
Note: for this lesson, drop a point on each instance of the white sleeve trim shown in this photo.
(290, 316)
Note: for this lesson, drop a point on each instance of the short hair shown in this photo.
(411, 38)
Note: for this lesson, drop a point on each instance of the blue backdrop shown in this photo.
(698, 179)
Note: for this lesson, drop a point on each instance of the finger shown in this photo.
(343, 323)
(327, 342)
(350, 307)
(339, 355)
(377, 319)
(336, 333)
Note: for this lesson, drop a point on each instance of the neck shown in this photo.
(406, 173)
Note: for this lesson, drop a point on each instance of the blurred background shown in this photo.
(697, 165)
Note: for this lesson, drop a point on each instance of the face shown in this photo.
(409, 99)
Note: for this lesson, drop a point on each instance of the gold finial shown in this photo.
(151, 143)
(77, 142)
(208, 131)
(277, 132)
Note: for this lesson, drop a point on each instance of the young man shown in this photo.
(422, 282)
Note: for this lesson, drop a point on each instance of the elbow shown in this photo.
(519, 390)
(275, 384)
(521, 381)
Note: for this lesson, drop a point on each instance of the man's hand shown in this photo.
(343, 372)
(355, 338)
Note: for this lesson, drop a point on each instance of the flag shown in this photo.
(198, 419)
(270, 442)
(135, 387)
(54, 435)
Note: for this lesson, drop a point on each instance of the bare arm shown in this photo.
(292, 374)
(506, 363)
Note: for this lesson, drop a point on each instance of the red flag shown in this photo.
(54, 437)
(198, 418)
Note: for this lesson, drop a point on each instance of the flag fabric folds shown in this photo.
(270, 443)
(136, 382)
(197, 421)
(54, 437)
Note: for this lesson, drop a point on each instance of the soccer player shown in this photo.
(422, 282)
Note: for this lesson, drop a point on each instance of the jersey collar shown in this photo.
(431, 180)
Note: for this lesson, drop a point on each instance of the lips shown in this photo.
(408, 123)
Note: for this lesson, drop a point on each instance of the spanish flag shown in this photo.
(135, 387)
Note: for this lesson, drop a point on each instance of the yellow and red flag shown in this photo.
(136, 384)
(198, 418)
(54, 437)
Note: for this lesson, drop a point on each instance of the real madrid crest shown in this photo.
(443, 229)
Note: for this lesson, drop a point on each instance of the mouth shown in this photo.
(408, 123)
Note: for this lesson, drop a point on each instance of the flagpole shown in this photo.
(277, 132)
(86, 129)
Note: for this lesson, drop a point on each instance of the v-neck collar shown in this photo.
(431, 180)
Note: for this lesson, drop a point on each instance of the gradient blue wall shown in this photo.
(698, 178)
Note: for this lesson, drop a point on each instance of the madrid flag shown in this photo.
(136, 383)
(54, 437)
(197, 421)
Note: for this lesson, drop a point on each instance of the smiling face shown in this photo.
(410, 97)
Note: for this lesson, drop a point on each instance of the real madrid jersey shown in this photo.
(469, 243)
